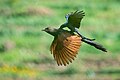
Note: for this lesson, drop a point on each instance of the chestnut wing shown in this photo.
(65, 47)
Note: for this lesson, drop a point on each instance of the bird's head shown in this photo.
(67, 16)
(52, 31)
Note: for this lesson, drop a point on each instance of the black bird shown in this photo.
(65, 45)
(73, 22)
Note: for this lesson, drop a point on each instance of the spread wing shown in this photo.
(74, 18)
(65, 47)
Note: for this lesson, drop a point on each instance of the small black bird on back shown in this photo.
(73, 22)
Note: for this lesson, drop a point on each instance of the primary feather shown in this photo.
(65, 47)
(74, 18)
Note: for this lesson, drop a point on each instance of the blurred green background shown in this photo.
(24, 48)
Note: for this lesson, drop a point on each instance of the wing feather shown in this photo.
(59, 58)
(65, 48)
(66, 56)
(74, 19)
(64, 59)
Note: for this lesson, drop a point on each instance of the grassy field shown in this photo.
(24, 48)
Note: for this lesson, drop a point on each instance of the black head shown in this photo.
(67, 16)
(51, 31)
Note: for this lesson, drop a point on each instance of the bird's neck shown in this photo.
(53, 33)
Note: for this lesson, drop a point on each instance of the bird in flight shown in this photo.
(65, 45)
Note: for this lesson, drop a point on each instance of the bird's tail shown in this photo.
(96, 45)
(91, 42)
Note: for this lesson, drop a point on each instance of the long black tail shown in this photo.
(91, 42)
(96, 45)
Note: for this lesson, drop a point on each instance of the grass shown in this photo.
(25, 48)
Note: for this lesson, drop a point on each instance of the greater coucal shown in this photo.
(65, 45)
(73, 23)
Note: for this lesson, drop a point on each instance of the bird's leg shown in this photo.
(76, 30)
